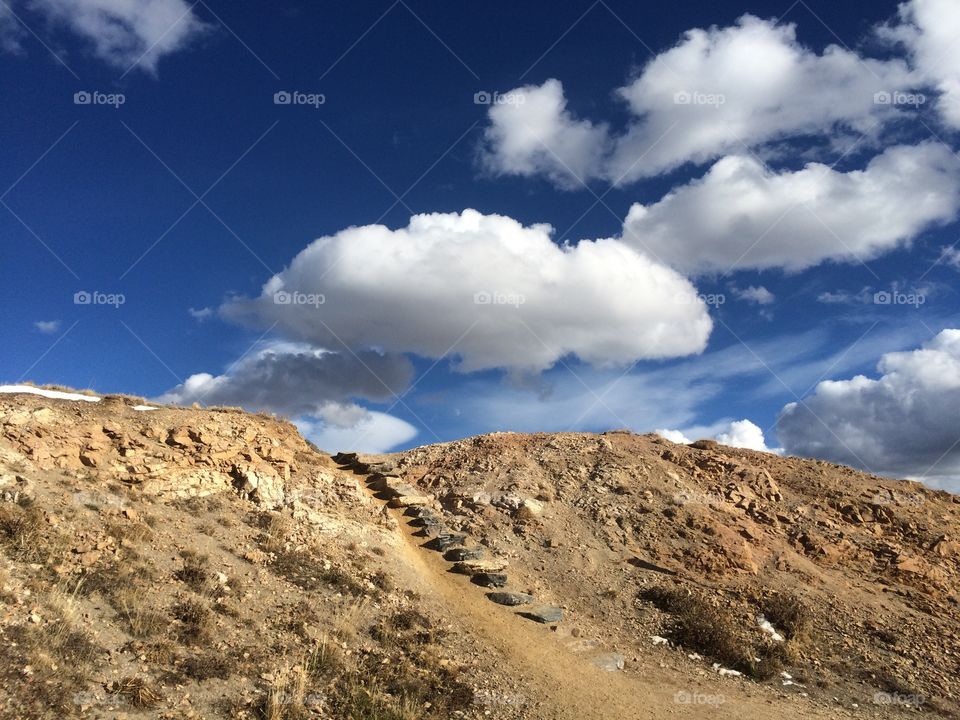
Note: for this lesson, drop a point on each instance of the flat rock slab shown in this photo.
(488, 565)
(445, 540)
(345, 458)
(545, 614)
(433, 529)
(610, 662)
(460, 554)
(401, 501)
(510, 598)
(386, 467)
(422, 513)
(489, 579)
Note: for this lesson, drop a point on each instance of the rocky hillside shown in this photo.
(175, 562)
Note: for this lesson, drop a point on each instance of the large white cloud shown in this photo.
(906, 422)
(124, 32)
(741, 215)
(484, 289)
(929, 29)
(718, 90)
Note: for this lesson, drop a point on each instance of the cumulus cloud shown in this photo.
(484, 289)
(376, 433)
(741, 215)
(929, 29)
(294, 379)
(202, 314)
(124, 32)
(738, 434)
(47, 327)
(716, 91)
(535, 134)
(904, 423)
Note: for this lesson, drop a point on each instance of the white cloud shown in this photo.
(929, 29)
(744, 434)
(759, 295)
(718, 90)
(740, 215)
(951, 256)
(124, 32)
(736, 433)
(906, 422)
(47, 327)
(540, 136)
(674, 436)
(202, 314)
(294, 379)
(11, 32)
(484, 289)
(376, 433)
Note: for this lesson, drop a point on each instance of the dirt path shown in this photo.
(569, 685)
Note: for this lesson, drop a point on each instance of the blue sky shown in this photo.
(199, 187)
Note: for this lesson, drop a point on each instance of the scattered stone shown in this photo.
(510, 598)
(546, 614)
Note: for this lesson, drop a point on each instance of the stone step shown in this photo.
(385, 467)
(510, 598)
(445, 540)
(459, 554)
(403, 501)
(546, 614)
(345, 458)
(489, 579)
(380, 481)
(484, 565)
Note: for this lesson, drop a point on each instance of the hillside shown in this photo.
(176, 562)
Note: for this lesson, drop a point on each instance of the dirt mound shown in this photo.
(175, 562)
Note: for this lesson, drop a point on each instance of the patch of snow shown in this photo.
(724, 672)
(657, 640)
(144, 408)
(52, 394)
(695, 656)
(769, 629)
